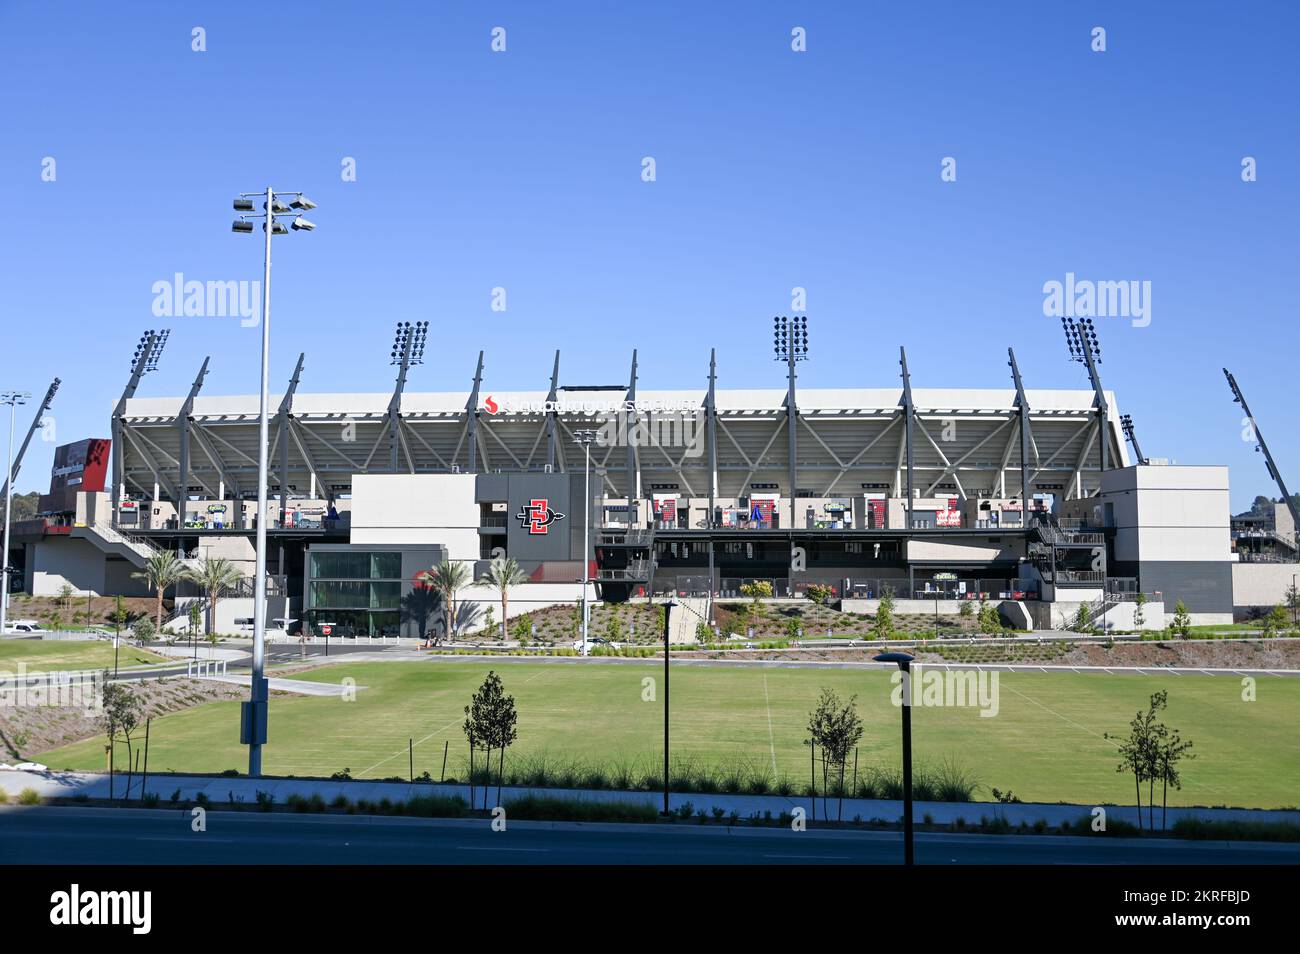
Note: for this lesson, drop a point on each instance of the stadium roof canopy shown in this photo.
(849, 440)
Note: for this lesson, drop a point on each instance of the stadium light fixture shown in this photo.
(904, 663)
(255, 710)
(13, 399)
(586, 437)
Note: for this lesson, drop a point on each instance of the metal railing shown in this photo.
(1080, 577)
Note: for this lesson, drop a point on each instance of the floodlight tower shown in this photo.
(790, 344)
(408, 349)
(1260, 446)
(36, 422)
(1126, 422)
(586, 437)
(253, 726)
(1081, 340)
(13, 399)
(148, 351)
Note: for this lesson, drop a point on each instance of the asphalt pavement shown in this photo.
(54, 835)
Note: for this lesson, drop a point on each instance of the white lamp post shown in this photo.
(585, 438)
(255, 711)
(13, 399)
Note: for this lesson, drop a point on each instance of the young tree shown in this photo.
(1292, 602)
(66, 593)
(884, 624)
(1082, 622)
(120, 615)
(1182, 624)
(490, 721)
(161, 572)
(1139, 610)
(121, 714)
(214, 575)
(1138, 752)
(504, 574)
(448, 578)
(1170, 748)
(835, 727)
(194, 616)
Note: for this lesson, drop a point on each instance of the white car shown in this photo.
(25, 626)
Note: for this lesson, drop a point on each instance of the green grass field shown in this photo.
(1045, 744)
(67, 654)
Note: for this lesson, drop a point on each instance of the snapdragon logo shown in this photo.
(948, 689)
(179, 298)
(1083, 298)
(74, 907)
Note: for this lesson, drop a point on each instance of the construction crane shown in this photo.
(1260, 446)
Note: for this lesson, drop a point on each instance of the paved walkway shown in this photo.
(220, 789)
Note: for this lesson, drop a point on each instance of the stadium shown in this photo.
(1025, 497)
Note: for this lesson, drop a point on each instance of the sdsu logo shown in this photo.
(537, 516)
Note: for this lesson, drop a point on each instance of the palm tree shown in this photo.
(214, 575)
(503, 574)
(447, 578)
(161, 571)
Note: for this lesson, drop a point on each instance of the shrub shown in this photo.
(29, 796)
(550, 808)
(437, 806)
(1202, 829)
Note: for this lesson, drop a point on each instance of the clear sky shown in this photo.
(522, 170)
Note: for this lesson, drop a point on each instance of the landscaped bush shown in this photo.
(1202, 829)
(29, 796)
(436, 806)
(550, 808)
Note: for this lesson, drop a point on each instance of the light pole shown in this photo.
(13, 399)
(904, 662)
(668, 611)
(253, 723)
(585, 438)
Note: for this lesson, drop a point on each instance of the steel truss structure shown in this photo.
(725, 443)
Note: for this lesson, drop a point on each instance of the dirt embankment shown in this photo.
(28, 730)
(1196, 653)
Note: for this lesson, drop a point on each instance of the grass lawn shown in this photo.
(67, 654)
(1045, 744)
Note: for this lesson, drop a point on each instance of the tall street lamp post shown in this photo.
(13, 399)
(668, 612)
(904, 662)
(585, 438)
(254, 712)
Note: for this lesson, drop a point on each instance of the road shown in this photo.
(55, 835)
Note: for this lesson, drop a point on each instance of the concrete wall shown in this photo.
(1172, 527)
(1061, 614)
(415, 509)
(1262, 584)
(59, 561)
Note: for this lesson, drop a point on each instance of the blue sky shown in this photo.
(775, 169)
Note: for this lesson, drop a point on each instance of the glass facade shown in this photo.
(359, 592)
